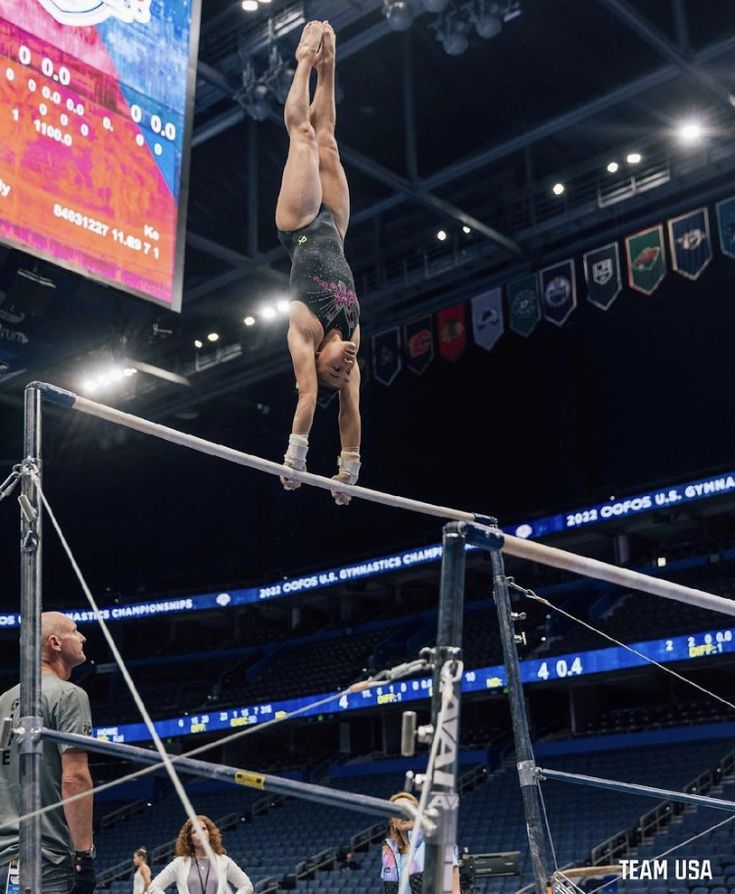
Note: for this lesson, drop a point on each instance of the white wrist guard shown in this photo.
(298, 447)
(349, 464)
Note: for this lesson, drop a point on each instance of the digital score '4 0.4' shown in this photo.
(558, 670)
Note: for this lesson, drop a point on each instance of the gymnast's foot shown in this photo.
(328, 53)
(310, 44)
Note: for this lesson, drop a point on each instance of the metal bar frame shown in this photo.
(466, 529)
(30, 721)
(443, 799)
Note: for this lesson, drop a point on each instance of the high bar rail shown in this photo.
(482, 531)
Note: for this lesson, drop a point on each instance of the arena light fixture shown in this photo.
(690, 133)
(398, 15)
(558, 189)
(198, 343)
(282, 306)
(250, 5)
(268, 312)
(634, 158)
(613, 167)
(249, 321)
(487, 18)
(466, 230)
(130, 371)
(441, 235)
(213, 337)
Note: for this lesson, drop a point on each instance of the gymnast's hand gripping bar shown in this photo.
(481, 532)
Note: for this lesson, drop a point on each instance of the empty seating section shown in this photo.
(491, 819)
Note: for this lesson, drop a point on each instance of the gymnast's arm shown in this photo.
(350, 426)
(301, 346)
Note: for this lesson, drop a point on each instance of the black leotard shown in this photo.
(320, 274)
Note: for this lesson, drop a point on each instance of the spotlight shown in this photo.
(487, 18)
(661, 562)
(250, 5)
(634, 158)
(441, 235)
(249, 321)
(613, 167)
(198, 343)
(690, 132)
(213, 336)
(282, 307)
(398, 15)
(466, 230)
(89, 386)
(104, 379)
(268, 313)
(130, 371)
(557, 189)
(115, 374)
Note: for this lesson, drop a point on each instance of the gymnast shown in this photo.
(312, 215)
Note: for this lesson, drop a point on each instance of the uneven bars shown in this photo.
(263, 782)
(634, 788)
(483, 537)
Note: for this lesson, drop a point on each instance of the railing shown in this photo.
(266, 885)
(123, 812)
(654, 820)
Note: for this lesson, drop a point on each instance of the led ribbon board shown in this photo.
(96, 104)
(706, 644)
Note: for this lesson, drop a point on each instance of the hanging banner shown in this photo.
(452, 327)
(418, 338)
(646, 259)
(690, 243)
(387, 359)
(558, 292)
(524, 305)
(487, 318)
(602, 274)
(726, 225)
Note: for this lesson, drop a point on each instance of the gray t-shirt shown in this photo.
(65, 707)
(202, 879)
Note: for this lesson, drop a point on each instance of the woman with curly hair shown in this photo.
(193, 872)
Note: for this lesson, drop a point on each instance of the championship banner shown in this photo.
(558, 292)
(524, 305)
(602, 274)
(726, 225)
(487, 318)
(646, 259)
(452, 327)
(418, 337)
(690, 243)
(387, 361)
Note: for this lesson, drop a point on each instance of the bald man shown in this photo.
(66, 833)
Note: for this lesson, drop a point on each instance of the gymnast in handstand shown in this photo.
(312, 215)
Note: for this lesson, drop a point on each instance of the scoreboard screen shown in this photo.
(96, 105)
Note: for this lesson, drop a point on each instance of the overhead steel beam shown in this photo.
(668, 50)
(552, 126)
(472, 163)
(241, 262)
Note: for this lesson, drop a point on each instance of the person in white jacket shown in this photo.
(193, 872)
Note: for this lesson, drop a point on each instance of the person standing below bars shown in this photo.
(193, 872)
(312, 215)
(142, 877)
(67, 850)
